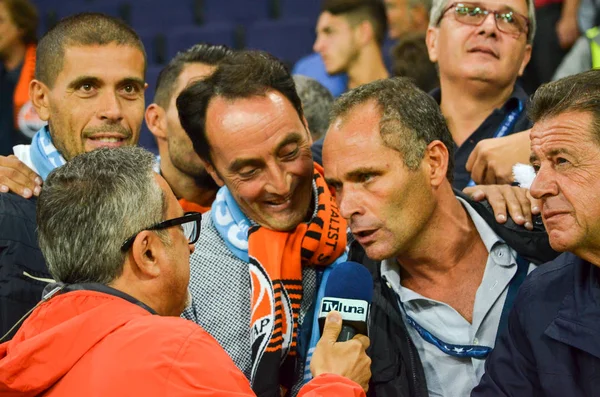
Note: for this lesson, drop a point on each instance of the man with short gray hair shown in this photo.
(118, 242)
(444, 271)
(481, 48)
(316, 102)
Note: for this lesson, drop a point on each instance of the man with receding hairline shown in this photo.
(444, 271)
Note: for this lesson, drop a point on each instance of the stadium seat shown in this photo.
(301, 9)
(287, 39)
(182, 38)
(70, 8)
(237, 11)
(154, 55)
(162, 15)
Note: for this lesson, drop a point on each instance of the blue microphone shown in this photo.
(349, 291)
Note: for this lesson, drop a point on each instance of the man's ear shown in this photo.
(40, 98)
(148, 251)
(364, 33)
(436, 158)
(310, 138)
(156, 120)
(431, 39)
(213, 173)
(526, 58)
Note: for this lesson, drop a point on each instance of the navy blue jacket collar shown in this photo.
(107, 290)
(518, 95)
(577, 322)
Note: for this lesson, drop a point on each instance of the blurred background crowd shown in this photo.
(284, 28)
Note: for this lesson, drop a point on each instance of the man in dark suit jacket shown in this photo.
(552, 344)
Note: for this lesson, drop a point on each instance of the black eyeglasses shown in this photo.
(507, 21)
(190, 224)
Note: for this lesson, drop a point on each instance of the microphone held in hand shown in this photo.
(349, 291)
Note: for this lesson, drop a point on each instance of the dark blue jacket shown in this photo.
(23, 270)
(552, 344)
(396, 365)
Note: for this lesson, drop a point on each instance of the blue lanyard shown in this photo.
(460, 351)
(474, 351)
(508, 124)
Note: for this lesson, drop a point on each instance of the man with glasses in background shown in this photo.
(481, 48)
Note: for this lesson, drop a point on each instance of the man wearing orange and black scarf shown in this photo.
(274, 230)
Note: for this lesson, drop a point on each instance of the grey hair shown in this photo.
(411, 119)
(439, 6)
(90, 206)
(316, 102)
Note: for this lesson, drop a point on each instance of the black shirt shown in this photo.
(487, 129)
(8, 133)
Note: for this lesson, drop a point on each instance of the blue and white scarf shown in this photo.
(231, 223)
(44, 156)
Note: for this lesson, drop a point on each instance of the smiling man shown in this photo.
(480, 49)
(89, 87)
(273, 226)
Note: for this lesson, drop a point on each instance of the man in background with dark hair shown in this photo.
(350, 36)
(18, 38)
(552, 346)
(273, 225)
(411, 59)
(89, 85)
(179, 164)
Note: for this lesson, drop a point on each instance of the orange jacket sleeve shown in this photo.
(329, 385)
(203, 368)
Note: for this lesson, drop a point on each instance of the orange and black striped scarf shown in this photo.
(276, 260)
